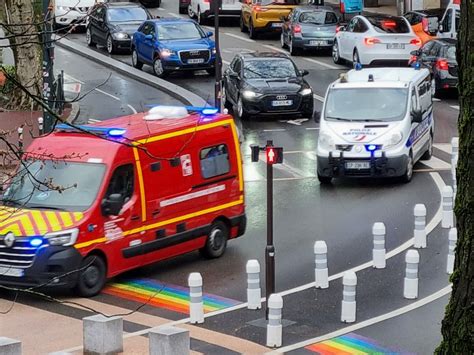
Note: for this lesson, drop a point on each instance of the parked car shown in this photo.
(449, 24)
(266, 84)
(439, 56)
(151, 3)
(71, 12)
(173, 45)
(183, 6)
(374, 40)
(309, 28)
(201, 10)
(113, 25)
(424, 23)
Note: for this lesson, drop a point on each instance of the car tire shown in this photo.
(429, 151)
(293, 50)
(406, 178)
(211, 71)
(355, 58)
(89, 40)
(324, 180)
(110, 45)
(158, 68)
(282, 41)
(92, 276)
(225, 100)
(135, 61)
(199, 18)
(252, 33)
(191, 13)
(183, 10)
(240, 110)
(336, 54)
(436, 89)
(242, 26)
(216, 241)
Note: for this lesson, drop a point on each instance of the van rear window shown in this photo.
(214, 161)
(389, 24)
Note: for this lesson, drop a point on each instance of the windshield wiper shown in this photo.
(339, 118)
(371, 120)
(46, 207)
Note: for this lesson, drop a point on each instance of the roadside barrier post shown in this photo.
(454, 155)
(410, 285)
(274, 326)
(378, 253)
(20, 140)
(448, 215)
(196, 306)
(167, 340)
(453, 238)
(420, 226)
(40, 125)
(321, 264)
(348, 309)
(254, 292)
(10, 346)
(102, 335)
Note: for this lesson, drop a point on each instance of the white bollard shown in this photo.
(348, 309)
(378, 253)
(448, 215)
(274, 326)
(420, 226)
(410, 285)
(453, 238)
(454, 155)
(254, 292)
(196, 306)
(321, 264)
(102, 335)
(10, 346)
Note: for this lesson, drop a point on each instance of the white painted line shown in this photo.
(106, 93)
(436, 163)
(287, 168)
(456, 107)
(239, 37)
(132, 108)
(173, 14)
(311, 155)
(67, 76)
(275, 48)
(160, 9)
(445, 147)
(322, 63)
(91, 120)
(436, 99)
(395, 313)
(319, 98)
(312, 128)
(429, 170)
(275, 130)
(225, 62)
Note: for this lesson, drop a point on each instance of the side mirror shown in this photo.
(416, 52)
(304, 72)
(209, 34)
(112, 205)
(441, 29)
(284, 18)
(233, 74)
(416, 116)
(317, 116)
(340, 29)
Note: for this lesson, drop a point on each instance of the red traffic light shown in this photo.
(274, 155)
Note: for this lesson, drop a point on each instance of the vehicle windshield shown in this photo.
(269, 68)
(277, 2)
(389, 24)
(450, 52)
(34, 185)
(366, 104)
(126, 14)
(457, 20)
(179, 30)
(318, 18)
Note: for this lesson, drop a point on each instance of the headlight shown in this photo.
(326, 142)
(65, 238)
(120, 35)
(306, 91)
(394, 140)
(213, 50)
(165, 52)
(249, 94)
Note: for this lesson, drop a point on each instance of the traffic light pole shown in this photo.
(270, 248)
(218, 62)
(48, 74)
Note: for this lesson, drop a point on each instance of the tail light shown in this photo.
(442, 64)
(260, 9)
(389, 23)
(207, 1)
(296, 29)
(369, 41)
(416, 41)
(413, 59)
(338, 28)
(424, 24)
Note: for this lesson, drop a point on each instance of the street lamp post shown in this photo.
(48, 55)
(218, 63)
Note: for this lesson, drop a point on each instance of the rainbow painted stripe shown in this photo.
(349, 344)
(171, 297)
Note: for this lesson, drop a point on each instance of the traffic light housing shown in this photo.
(274, 155)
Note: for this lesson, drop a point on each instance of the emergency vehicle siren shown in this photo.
(105, 131)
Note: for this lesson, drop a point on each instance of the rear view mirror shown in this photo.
(304, 72)
(416, 53)
(416, 116)
(112, 205)
(441, 28)
(340, 29)
(209, 34)
(233, 74)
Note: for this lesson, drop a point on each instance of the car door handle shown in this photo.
(155, 212)
(135, 217)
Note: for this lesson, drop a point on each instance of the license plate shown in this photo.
(196, 61)
(228, 2)
(358, 165)
(282, 103)
(395, 46)
(318, 43)
(11, 271)
(277, 24)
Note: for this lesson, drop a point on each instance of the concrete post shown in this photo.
(453, 238)
(40, 125)
(321, 264)
(378, 253)
(454, 155)
(274, 326)
(254, 292)
(448, 215)
(10, 346)
(102, 335)
(196, 305)
(410, 285)
(348, 309)
(20, 139)
(420, 226)
(168, 340)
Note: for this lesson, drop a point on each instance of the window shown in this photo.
(330, 19)
(434, 50)
(149, 29)
(424, 93)
(409, 16)
(126, 14)
(389, 24)
(236, 65)
(360, 26)
(352, 24)
(414, 101)
(214, 161)
(122, 182)
(427, 48)
(447, 21)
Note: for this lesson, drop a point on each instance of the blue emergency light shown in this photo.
(417, 66)
(209, 111)
(108, 131)
(36, 242)
(371, 147)
(358, 66)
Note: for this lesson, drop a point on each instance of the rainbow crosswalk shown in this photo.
(160, 295)
(350, 344)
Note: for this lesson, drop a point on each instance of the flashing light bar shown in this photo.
(108, 131)
(36, 242)
(371, 147)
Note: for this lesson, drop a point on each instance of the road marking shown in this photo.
(436, 163)
(310, 155)
(239, 37)
(429, 170)
(296, 122)
(67, 76)
(322, 63)
(275, 48)
(445, 147)
(160, 9)
(395, 313)
(319, 98)
(436, 99)
(297, 173)
(91, 120)
(456, 107)
(173, 14)
(275, 130)
(312, 128)
(132, 108)
(225, 62)
(106, 93)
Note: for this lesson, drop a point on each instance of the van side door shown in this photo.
(421, 100)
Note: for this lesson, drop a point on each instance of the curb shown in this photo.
(75, 110)
(187, 97)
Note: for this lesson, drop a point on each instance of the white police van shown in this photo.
(376, 122)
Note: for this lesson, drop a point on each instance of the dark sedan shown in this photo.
(266, 84)
(309, 28)
(439, 56)
(183, 6)
(113, 25)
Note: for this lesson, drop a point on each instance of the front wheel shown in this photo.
(225, 100)
(190, 11)
(336, 56)
(324, 180)
(89, 40)
(216, 242)
(252, 33)
(92, 276)
(282, 41)
(110, 45)
(355, 58)
(292, 49)
(158, 68)
(406, 178)
(241, 113)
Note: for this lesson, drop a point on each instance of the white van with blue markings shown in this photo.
(376, 122)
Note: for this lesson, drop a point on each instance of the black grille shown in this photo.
(197, 54)
(344, 147)
(453, 70)
(268, 101)
(20, 254)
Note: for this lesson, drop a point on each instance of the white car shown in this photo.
(69, 12)
(202, 11)
(375, 40)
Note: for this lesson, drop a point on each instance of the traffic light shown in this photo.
(274, 155)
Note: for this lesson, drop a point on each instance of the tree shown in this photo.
(458, 324)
